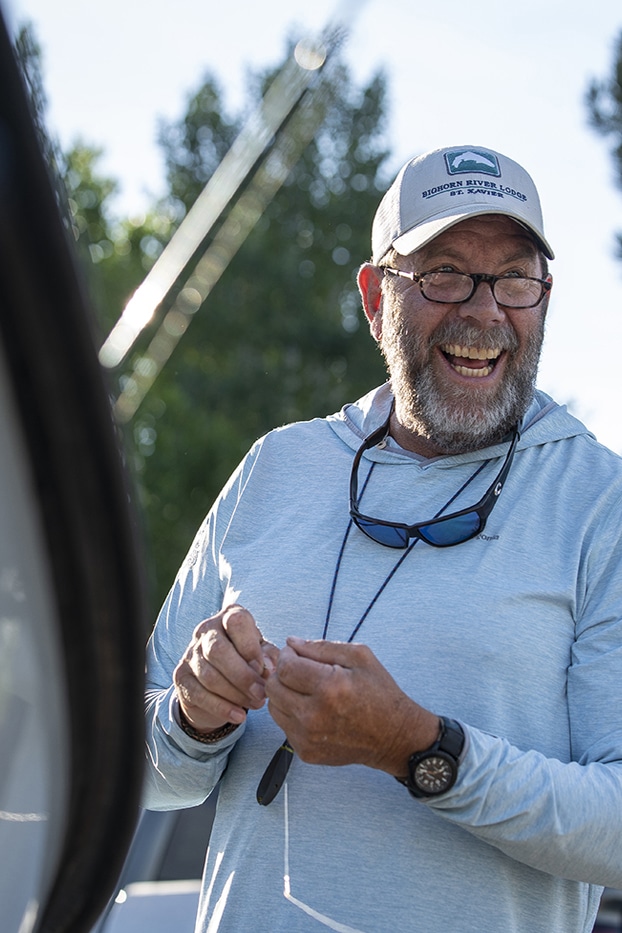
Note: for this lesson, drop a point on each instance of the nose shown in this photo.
(482, 306)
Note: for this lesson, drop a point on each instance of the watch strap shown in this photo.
(451, 739)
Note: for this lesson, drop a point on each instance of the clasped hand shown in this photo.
(224, 670)
(335, 702)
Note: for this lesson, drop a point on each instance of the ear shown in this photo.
(369, 281)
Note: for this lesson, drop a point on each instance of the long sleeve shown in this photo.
(182, 772)
(562, 817)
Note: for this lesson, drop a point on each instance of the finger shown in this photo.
(213, 673)
(300, 674)
(242, 630)
(331, 652)
(220, 669)
(244, 634)
(270, 658)
(203, 708)
(231, 641)
(206, 710)
(248, 641)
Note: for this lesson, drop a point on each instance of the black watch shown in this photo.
(434, 770)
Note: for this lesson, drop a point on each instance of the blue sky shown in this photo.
(511, 79)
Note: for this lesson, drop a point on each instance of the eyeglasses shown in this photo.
(440, 531)
(456, 287)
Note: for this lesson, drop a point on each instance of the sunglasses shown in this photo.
(440, 531)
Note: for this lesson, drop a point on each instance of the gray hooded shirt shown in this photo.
(516, 633)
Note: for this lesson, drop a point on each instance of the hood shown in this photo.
(544, 421)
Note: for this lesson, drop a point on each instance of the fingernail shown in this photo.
(257, 666)
(237, 715)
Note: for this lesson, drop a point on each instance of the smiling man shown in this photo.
(462, 352)
(488, 327)
(457, 628)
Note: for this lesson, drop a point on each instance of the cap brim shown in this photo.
(417, 237)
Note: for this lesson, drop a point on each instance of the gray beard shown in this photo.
(454, 420)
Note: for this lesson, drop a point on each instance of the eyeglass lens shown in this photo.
(454, 530)
(455, 287)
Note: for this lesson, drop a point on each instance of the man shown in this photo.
(425, 586)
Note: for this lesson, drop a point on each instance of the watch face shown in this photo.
(435, 774)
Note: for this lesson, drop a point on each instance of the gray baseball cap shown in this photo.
(440, 188)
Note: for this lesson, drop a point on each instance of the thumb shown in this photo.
(270, 654)
(324, 652)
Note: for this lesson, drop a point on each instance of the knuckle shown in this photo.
(192, 671)
(185, 692)
(362, 653)
(234, 616)
(204, 626)
(286, 665)
(210, 645)
(180, 673)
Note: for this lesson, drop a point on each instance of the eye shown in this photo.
(445, 267)
(520, 272)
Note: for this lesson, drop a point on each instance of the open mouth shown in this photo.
(475, 362)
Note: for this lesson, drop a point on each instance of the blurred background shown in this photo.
(140, 103)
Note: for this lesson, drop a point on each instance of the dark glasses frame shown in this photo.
(481, 509)
(476, 279)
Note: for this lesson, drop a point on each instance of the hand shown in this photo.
(338, 705)
(224, 669)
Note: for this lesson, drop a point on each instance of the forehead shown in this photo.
(493, 235)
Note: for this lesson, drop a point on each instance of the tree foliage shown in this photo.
(281, 337)
(116, 254)
(604, 102)
(28, 54)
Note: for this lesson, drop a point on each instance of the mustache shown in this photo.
(502, 337)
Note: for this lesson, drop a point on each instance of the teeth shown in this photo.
(471, 353)
(477, 373)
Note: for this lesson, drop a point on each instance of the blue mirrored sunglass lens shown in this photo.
(384, 534)
(453, 531)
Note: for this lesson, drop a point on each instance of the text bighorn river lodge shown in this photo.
(469, 186)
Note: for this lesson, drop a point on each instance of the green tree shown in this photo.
(604, 102)
(115, 254)
(29, 57)
(281, 337)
